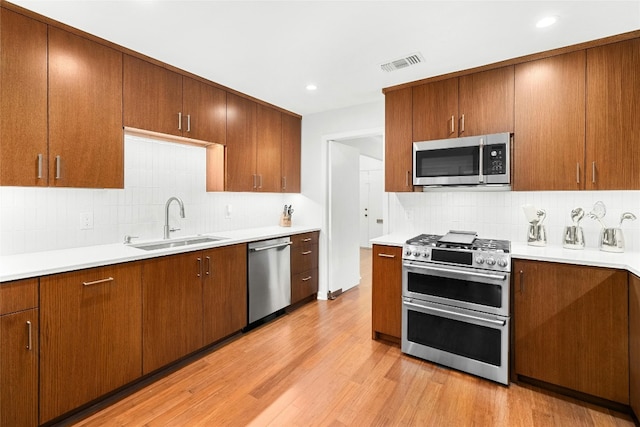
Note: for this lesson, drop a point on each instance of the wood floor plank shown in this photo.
(318, 366)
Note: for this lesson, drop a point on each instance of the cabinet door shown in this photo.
(19, 369)
(269, 149)
(224, 292)
(387, 291)
(172, 309)
(152, 97)
(23, 100)
(291, 152)
(205, 108)
(240, 165)
(634, 343)
(435, 110)
(86, 141)
(90, 335)
(486, 102)
(398, 141)
(571, 327)
(613, 133)
(549, 137)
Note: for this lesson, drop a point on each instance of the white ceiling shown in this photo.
(273, 49)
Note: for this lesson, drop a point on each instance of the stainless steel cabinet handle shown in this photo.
(254, 176)
(208, 272)
(408, 180)
(284, 182)
(461, 127)
(97, 282)
(57, 167)
(199, 270)
(308, 239)
(453, 126)
(29, 335)
(39, 166)
(455, 272)
(306, 279)
(386, 256)
(180, 121)
(306, 252)
(593, 172)
(481, 159)
(188, 122)
(521, 281)
(578, 173)
(453, 315)
(260, 177)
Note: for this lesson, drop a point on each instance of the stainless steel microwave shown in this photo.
(470, 161)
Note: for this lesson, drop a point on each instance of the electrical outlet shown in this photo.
(86, 221)
(227, 211)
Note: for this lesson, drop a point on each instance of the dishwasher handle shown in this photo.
(264, 248)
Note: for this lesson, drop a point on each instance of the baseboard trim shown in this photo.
(334, 294)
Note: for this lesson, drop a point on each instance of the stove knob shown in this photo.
(491, 261)
(425, 254)
(502, 262)
(407, 252)
(415, 253)
(479, 259)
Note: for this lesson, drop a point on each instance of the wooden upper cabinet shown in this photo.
(23, 100)
(435, 110)
(269, 149)
(549, 137)
(152, 97)
(86, 142)
(613, 109)
(398, 140)
(486, 102)
(205, 107)
(240, 168)
(291, 152)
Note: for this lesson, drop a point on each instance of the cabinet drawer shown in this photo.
(304, 258)
(305, 238)
(18, 295)
(304, 284)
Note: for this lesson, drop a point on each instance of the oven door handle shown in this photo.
(453, 315)
(457, 272)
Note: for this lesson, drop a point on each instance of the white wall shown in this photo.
(316, 130)
(499, 214)
(40, 219)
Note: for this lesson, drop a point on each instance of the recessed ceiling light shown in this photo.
(546, 21)
(311, 87)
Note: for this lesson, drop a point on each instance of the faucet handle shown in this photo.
(127, 239)
(174, 229)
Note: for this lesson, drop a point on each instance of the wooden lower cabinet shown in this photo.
(172, 308)
(634, 344)
(89, 335)
(304, 266)
(224, 292)
(571, 327)
(386, 307)
(19, 353)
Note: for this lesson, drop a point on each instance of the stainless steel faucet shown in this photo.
(168, 230)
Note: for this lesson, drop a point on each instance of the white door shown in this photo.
(364, 209)
(376, 191)
(344, 251)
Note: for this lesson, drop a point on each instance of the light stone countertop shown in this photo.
(36, 264)
(629, 261)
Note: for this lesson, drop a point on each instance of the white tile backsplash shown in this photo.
(499, 214)
(39, 219)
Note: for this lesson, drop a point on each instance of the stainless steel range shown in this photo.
(455, 308)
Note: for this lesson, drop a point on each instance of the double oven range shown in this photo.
(455, 302)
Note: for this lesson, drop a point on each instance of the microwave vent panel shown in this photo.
(407, 61)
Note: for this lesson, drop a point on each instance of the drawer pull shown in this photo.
(306, 279)
(29, 335)
(386, 256)
(306, 252)
(308, 239)
(96, 282)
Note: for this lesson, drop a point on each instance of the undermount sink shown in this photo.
(164, 244)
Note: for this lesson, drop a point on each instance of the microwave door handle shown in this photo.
(481, 166)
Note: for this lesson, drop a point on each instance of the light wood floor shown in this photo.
(319, 366)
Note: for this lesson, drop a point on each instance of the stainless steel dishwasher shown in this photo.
(269, 288)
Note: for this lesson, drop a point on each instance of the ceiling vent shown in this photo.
(407, 61)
